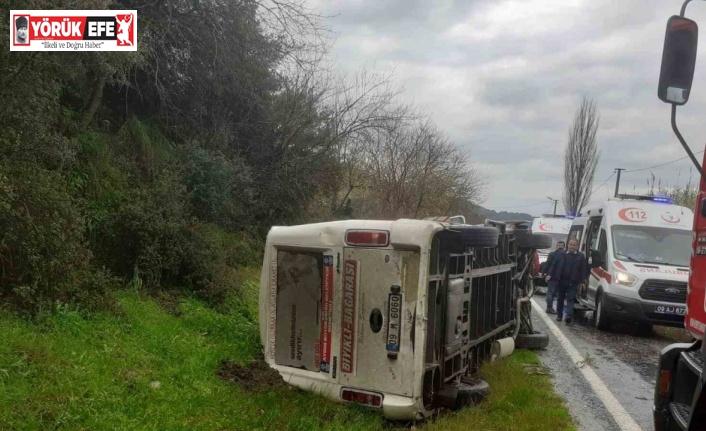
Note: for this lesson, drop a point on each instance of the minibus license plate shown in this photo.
(664, 309)
(394, 312)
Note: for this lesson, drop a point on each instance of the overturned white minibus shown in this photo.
(394, 315)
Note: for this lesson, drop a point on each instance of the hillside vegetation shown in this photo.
(164, 168)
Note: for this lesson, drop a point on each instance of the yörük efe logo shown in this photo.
(73, 30)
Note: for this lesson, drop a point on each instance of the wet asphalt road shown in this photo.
(623, 360)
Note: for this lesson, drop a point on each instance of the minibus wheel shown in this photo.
(533, 241)
(472, 391)
(477, 236)
(534, 341)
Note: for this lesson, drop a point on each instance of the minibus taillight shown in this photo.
(368, 238)
(359, 397)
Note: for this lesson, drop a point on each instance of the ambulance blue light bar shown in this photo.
(662, 199)
(656, 199)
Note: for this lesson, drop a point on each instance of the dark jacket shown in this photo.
(577, 273)
(550, 260)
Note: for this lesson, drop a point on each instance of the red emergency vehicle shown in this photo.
(679, 399)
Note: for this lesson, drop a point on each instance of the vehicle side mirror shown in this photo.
(597, 258)
(703, 208)
(678, 60)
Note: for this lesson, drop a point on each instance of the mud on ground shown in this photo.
(169, 301)
(253, 377)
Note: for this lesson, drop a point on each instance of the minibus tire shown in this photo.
(472, 391)
(534, 341)
(536, 241)
(477, 236)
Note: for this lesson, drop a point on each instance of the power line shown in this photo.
(663, 164)
(599, 187)
(604, 183)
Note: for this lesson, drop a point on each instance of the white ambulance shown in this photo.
(393, 315)
(556, 227)
(638, 249)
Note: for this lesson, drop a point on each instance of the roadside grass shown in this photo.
(149, 367)
(521, 399)
(142, 367)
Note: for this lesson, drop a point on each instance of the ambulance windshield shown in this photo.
(655, 245)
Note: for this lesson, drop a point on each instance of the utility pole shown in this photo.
(617, 182)
(555, 202)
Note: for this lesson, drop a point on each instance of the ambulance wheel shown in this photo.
(536, 241)
(472, 391)
(477, 236)
(534, 341)
(600, 316)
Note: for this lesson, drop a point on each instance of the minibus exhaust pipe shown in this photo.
(502, 348)
(520, 301)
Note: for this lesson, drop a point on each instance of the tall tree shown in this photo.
(581, 157)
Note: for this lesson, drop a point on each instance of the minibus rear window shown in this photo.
(299, 288)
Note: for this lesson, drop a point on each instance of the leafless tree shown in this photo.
(581, 156)
(350, 109)
(413, 170)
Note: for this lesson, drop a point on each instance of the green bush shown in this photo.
(149, 231)
(153, 239)
(43, 255)
(221, 187)
(99, 178)
(210, 269)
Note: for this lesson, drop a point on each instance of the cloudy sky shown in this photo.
(504, 77)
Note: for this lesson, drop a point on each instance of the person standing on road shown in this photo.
(570, 270)
(552, 284)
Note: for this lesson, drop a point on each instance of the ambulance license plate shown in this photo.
(665, 309)
(394, 312)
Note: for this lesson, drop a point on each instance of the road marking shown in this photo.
(620, 415)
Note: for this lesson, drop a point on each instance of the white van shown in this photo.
(556, 227)
(393, 315)
(638, 249)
